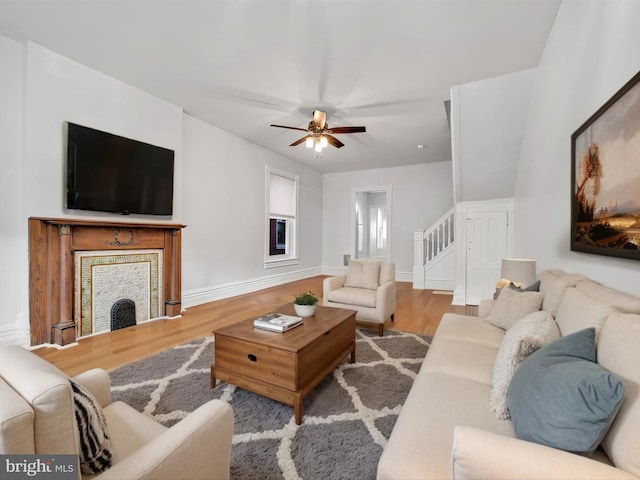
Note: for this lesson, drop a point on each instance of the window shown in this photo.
(281, 211)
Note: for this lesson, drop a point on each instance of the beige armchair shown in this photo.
(37, 417)
(368, 287)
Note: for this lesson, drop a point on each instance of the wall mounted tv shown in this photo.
(109, 173)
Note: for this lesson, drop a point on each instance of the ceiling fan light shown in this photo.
(309, 142)
(323, 141)
(318, 146)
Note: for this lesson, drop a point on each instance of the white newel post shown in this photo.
(418, 259)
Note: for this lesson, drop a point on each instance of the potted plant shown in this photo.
(305, 304)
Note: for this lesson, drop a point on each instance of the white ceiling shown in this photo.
(242, 65)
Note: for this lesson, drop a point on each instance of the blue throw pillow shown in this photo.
(559, 397)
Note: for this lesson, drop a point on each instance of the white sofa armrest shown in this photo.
(478, 454)
(197, 447)
(97, 381)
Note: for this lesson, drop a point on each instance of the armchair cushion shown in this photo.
(47, 390)
(95, 445)
(361, 297)
(363, 274)
(129, 430)
(16, 422)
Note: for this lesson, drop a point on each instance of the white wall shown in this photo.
(488, 120)
(13, 233)
(421, 195)
(60, 90)
(221, 198)
(224, 208)
(590, 54)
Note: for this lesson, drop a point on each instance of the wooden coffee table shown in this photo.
(285, 366)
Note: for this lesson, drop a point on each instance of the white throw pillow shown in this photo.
(512, 305)
(363, 275)
(527, 335)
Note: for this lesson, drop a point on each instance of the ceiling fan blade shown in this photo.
(348, 129)
(298, 142)
(290, 128)
(319, 119)
(334, 141)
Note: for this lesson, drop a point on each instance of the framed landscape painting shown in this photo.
(605, 178)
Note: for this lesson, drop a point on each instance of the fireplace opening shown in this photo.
(123, 314)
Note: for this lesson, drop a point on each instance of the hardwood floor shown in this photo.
(418, 311)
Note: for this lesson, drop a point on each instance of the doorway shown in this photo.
(370, 222)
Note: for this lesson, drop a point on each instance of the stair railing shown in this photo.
(429, 244)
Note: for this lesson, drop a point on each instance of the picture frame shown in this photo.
(605, 178)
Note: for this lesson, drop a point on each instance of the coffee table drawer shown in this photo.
(273, 366)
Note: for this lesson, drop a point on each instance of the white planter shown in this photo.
(304, 310)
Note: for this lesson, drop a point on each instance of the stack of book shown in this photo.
(277, 322)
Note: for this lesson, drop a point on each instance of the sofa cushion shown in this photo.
(363, 274)
(578, 311)
(422, 437)
(619, 352)
(462, 359)
(561, 398)
(512, 305)
(553, 283)
(525, 337)
(621, 301)
(95, 444)
(454, 326)
(360, 297)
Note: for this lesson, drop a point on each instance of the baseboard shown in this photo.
(334, 271)
(439, 284)
(218, 292)
(404, 277)
(14, 336)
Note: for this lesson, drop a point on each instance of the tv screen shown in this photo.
(109, 173)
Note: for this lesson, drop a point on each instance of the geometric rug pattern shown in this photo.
(347, 418)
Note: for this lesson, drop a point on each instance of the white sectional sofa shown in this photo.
(446, 428)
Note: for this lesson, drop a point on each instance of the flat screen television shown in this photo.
(109, 173)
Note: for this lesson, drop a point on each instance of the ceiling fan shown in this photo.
(319, 134)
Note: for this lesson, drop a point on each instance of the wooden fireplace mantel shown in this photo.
(52, 245)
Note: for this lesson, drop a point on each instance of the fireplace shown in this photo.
(60, 249)
(104, 277)
(123, 314)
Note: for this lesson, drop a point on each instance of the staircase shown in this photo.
(434, 255)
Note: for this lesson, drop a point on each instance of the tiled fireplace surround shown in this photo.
(78, 268)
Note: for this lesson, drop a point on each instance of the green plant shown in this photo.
(307, 298)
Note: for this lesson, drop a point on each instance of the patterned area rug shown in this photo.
(347, 418)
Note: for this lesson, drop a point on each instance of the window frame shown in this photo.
(290, 257)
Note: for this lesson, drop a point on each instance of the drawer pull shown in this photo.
(252, 357)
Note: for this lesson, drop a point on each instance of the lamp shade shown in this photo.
(519, 270)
